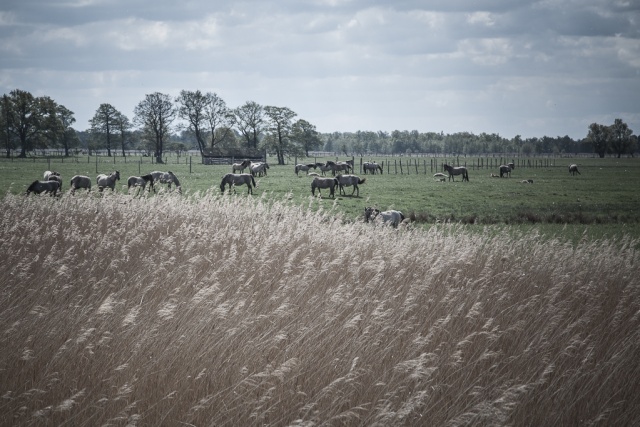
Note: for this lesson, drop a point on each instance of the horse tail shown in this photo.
(253, 181)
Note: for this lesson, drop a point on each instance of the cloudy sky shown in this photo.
(513, 67)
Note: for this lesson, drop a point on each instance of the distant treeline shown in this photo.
(202, 121)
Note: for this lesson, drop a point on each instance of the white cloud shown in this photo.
(511, 67)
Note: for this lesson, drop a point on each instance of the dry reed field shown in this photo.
(230, 311)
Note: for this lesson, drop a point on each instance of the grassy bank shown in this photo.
(604, 196)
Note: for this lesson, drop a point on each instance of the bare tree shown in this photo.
(154, 115)
(249, 120)
(219, 118)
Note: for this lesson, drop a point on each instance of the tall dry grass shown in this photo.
(233, 311)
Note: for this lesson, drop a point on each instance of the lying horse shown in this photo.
(372, 167)
(348, 181)
(390, 217)
(461, 170)
(234, 179)
(304, 168)
(319, 183)
(573, 169)
(80, 181)
(165, 178)
(505, 170)
(140, 182)
(240, 166)
(38, 187)
(104, 181)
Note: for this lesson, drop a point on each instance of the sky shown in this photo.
(511, 67)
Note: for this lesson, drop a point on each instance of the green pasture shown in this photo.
(604, 200)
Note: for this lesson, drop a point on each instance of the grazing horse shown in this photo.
(165, 178)
(259, 169)
(304, 168)
(55, 178)
(324, 167)
(505, 170)
(461, 170)
(48, 174)
(141, 182)
(390, 217)
(80, 181)
(38, 187)
(240, 166)
(350, 180)
(573, 169)
(234, 179)
(372, 167)
(338, 167)
(318, 182)
(103, 180)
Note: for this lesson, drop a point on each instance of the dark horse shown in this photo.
(505, 170)
(461, 170)
(573, 169)
(234, 179)
(38, 187)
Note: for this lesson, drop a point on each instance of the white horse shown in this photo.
(239, 167)
(259, 168)
(390, 217)
(80, 181)
(103, 180)
(48, 174)
(573, 169)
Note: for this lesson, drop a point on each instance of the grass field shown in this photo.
(232, 311)
(601, 202)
